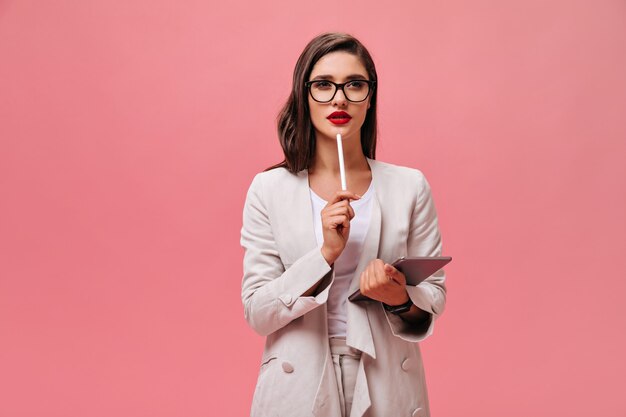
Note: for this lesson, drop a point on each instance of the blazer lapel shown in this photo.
(303, 227)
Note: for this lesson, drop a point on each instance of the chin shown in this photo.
(344, 135)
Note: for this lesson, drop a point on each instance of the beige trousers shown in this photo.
(346, 362)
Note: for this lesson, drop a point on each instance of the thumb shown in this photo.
(392, 272)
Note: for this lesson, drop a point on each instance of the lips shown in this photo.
(339, 117)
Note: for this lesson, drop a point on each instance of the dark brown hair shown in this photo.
(295, 130)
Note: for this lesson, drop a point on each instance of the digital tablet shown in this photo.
(415, 268)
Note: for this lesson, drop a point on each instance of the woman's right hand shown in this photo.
(336, 216)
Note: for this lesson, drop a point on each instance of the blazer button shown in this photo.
(407, 364)
(419, 412)
(287, 367)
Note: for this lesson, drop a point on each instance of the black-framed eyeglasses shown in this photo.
(355, 91)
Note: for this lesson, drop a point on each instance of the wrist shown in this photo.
(400, 300)
(330, 259)
(415, 315)
(401, 305)
(399, 308)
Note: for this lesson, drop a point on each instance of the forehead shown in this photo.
(339, 65)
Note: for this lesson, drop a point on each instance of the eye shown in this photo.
(356, 85)
(322, 85)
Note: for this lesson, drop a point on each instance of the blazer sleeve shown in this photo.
(424, 240)
(272, 295)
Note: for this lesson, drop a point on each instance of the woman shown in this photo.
(308, 245)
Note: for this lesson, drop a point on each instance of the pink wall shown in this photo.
(130, 132)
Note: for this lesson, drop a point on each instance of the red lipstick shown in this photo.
(339, 117)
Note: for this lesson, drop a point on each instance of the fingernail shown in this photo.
(358, 195)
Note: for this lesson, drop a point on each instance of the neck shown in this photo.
(326, 160)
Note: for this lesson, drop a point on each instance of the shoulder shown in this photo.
(268, 181)
(393, 173)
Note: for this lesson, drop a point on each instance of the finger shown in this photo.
(371, 279)
(351, 211)
(377, 273)
(339, 220)
(343, 195)
(390, 271)
(380, 275)
(396, 275)
(338, 204)
(338, 211)
(365, 282)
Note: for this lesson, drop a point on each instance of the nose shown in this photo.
(340, 98)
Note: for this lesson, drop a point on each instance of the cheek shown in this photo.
(363, 113)
(316, 114)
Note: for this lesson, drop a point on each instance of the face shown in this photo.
(339, 67)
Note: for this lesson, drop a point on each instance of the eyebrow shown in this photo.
(349, 77)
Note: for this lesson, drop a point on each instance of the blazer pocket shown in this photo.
(266, 361)
(261, 397)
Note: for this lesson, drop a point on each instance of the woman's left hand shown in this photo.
(382, 282)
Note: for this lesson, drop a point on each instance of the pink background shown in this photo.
(131, 130)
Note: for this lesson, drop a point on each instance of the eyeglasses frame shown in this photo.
(370, 83)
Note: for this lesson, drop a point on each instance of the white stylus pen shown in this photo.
(342, 170)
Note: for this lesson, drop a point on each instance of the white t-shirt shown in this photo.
(347, 262)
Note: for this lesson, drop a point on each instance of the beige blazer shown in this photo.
(282, 260)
